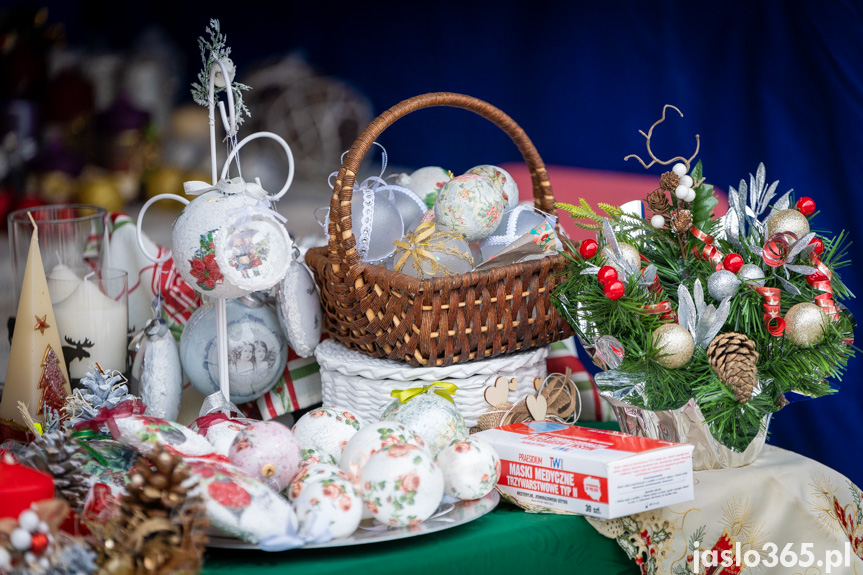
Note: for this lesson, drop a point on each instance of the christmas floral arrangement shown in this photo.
(736, 314)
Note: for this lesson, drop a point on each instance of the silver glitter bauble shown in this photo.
(723, 284)
(630, 255)
(751, 273)
(788, 221)
(675, 345)
(805, 324)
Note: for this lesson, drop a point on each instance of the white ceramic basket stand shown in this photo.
(222, 397)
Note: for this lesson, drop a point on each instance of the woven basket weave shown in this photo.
(437, 321)
(362, 384)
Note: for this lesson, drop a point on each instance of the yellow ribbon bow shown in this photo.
(444, 389)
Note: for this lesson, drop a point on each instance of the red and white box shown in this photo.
(551, 467)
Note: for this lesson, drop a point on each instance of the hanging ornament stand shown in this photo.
(252, 195)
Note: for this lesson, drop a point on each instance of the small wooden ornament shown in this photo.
(536, 406)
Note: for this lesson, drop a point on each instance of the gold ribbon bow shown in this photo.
(418, 244)
(444, 389)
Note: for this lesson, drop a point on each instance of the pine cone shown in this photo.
(734, 359)
(64, 459)
(781, 402)
(658, 202)
(160, 529)
(681, 221)
(669, 181)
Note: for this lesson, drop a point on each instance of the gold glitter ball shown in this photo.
(675, 345)
(805, 324)
(788, 221)
(630, 254)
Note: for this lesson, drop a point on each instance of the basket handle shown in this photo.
(342, 242)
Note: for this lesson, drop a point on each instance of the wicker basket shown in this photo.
(362, 384)
(438, 321)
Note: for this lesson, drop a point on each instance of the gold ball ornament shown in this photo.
(675, 345)
(630, 255)
(785, 221)
(805, 324)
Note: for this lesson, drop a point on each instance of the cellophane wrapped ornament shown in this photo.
(706, 326)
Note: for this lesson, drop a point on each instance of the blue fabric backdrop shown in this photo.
(779, 82)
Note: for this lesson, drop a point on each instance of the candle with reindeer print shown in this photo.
(92, 317)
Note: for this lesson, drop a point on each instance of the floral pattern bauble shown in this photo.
(267, 451)
(402, 485)
(146, 434)
(371, 439)
(501, 180)
(238, 503)
(435, 418)
(327, 429)
(313, 456)
(471, 205)
(471, 468)
(337, 498)
(312, 474)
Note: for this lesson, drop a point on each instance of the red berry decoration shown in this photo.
(806, 206)
(39, 543)
(606, 275)
(588, 249)
(819, 246)
(614, 289)
(732, 263)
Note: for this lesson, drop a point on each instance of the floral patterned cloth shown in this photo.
(788, 513)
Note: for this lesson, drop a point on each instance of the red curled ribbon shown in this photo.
(772, 319)
(825, 300)
(663, 308)
(775, 252)
(709, 252)
(655, 287)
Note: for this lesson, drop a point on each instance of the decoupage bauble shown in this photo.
(788, 221)
(805, 324)
(313, 456)
(334, 498)
(514, 224)
(722, 284)
(157, 376)
(267, 451)
(257, 351)
(751, 273)
(327, 429)
(410, 206)
(432, 251)
(674, 344)
(376, 223)
(470, 205)
(630, 255)
(312, 474)
(402, 485)
(427, 183)
(501, 179)
(221, 433)
(226, 244)
(471, 468)
(435, 418)
(371, 439)
(299, 309)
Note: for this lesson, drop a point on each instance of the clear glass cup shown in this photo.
(70, 235)
(92, 313)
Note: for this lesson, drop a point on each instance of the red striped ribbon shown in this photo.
(772, 319)
(825, 300)
(663, 309)
(709, 252)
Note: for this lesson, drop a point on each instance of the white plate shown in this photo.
(372, 531)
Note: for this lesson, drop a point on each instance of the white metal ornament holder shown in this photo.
(229, 121)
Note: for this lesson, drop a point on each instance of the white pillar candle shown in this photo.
(94, 328)
(62, 281)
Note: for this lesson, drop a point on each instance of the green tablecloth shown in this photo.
(507, 540)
